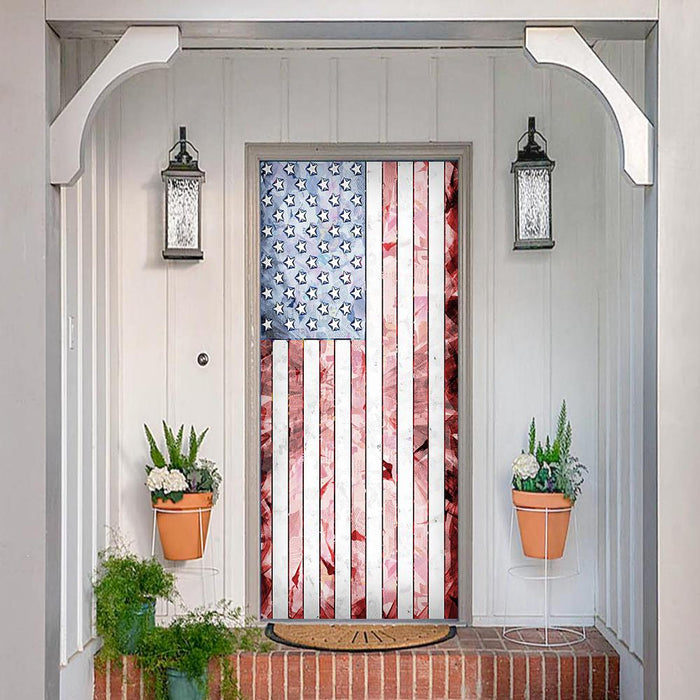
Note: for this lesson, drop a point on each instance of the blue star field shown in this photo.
(312, 250)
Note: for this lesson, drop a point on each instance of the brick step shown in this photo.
(475, 664)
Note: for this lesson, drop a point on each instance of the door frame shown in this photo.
(254, 154)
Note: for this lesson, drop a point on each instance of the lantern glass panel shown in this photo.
(533, 203)
(183, 212)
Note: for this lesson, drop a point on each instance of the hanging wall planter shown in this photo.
(183, 487)
(183, 526)
(546, 482)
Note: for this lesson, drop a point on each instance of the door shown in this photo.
(358, 389)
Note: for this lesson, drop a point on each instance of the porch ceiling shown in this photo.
(338, 33)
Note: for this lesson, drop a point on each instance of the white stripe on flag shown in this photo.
(280, 478)
(312, 525)
(436, 390)
(343, 377)
(373, 345)
(404, 414)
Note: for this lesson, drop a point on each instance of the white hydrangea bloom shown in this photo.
(175, 481)
(155, 478)
(525, 466)
(166, 480)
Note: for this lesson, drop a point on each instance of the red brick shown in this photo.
(519, 677)
(439, 661)
(278, 682)
(214, 678)
(391, 686)
(471, 676)
(133, 678)
(308, 670)
(245, 675)
(502, 676)
(115, 679)
(405, 675)
(294, 674)
(454, 675)
(342, 676)
(598, 677)
(487, 676)
(100, 692)
(422, 675)
(583, 676)
(262, 674)
(374, 676)
(613, 677)
(536, 677)
(551, 676)
(325, 675)
(358, 675)
(566, 678)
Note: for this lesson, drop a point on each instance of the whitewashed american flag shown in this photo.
(358, 379)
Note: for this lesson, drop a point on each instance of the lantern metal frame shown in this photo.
(183, 165)
(532, 157)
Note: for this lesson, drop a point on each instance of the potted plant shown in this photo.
(183, 487)
(126, 588)
(546, 483)
(175, 659)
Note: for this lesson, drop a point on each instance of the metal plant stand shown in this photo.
(542, 571)
(184, 569)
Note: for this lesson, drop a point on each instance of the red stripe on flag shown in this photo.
(327, 477)
(358, 598)
(389, 387)
(296, 479)
(420, 390)
(266, 478)
(451, 388)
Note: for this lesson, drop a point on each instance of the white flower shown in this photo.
(166, 480)
(525, 466)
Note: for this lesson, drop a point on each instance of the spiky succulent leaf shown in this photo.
(200, 439)
(156, 455)
(533, 438)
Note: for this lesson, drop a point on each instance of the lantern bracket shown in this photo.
(565, 47)
(138, 50)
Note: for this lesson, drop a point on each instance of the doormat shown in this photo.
(352, 637)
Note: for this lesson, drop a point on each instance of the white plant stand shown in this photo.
(202, 572)
(543, 570)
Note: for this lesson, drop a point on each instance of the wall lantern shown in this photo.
(183, 203)
(533, 193)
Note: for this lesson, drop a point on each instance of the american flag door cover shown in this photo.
(358, 389)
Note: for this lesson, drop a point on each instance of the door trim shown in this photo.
(254, 154)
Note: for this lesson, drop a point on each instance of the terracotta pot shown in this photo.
(532, 523)
(180, 533)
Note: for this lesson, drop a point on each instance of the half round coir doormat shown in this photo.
(358, 637)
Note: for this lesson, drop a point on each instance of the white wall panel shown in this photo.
(621, 266)
(87, 227)
(544, 324)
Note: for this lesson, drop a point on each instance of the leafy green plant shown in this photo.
(179, 469)
(191, 641)
(550, 468)
(123, 583)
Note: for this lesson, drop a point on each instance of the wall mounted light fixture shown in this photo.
(183, 203)
(533, 193)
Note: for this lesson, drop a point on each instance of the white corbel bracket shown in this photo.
(564, 46)
(138, 50)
